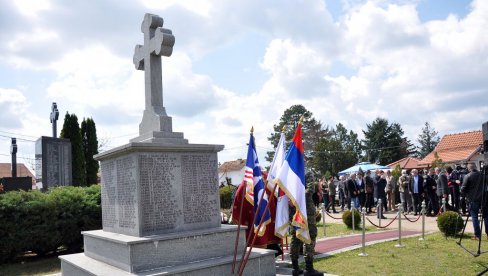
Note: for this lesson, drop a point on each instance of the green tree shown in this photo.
(312, 130)
(428, 140)
(437, 161)
(71, 131)
(384, 142)
(337, 151)
(90, 148)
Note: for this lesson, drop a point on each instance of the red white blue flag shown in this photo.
(291, 179)
(255, 188)
(282, 209)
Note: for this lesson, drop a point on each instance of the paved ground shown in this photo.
(333, 245)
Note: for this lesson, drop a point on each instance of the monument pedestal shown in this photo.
(161, 215)
(203, 252)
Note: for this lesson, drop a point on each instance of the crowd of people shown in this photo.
(438, 187)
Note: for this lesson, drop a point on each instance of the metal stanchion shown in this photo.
(364, 254)
(380, 211)
(443, 205)
(423, 222)
(400, 209)
(352, 215)
(323, 218)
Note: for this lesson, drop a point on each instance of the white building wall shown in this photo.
(235, 176)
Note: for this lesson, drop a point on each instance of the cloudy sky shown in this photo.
(238, 64)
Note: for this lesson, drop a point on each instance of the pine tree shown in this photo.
(312, 129)
(90, 148)
(384, 142)
(428, 140)
(71, 131)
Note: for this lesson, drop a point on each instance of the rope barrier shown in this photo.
(439, 212)
(412, 220)
(385, 225)
(331, 215)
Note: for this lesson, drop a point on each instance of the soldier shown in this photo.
(296, 243)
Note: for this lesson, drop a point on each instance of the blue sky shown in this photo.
(238, 64)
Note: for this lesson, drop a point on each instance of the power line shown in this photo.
(18, 134)
(18, 139)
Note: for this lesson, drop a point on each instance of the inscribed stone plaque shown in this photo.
(53, 157)
(152, 193)
(199, 190)
(159, 178)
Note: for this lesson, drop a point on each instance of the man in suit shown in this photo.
(353, 191)
(416, 186)
(430, 188)
(442, 188)
(472, 188)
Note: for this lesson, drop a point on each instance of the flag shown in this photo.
(291, 179)
(282, 208)
(255, 188)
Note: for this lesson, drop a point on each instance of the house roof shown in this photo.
(459, 147)
(235, 165)
(406, 163)
(22, 170)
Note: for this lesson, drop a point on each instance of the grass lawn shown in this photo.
(435, 256)
(37, 266)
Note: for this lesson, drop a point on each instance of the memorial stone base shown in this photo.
(204, 252)
(161, 216)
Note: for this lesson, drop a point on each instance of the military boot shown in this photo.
(310, 271)
(296, 269)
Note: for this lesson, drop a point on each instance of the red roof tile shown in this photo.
(235, 165)
(456, 147)
(406, 163)
(22, 170)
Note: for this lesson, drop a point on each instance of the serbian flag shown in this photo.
(291, 179)
(255, 188)
(282, 208)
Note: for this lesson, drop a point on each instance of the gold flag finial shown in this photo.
(301, 119)
(252, 129)
(283, 129)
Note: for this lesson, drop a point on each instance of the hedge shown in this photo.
(347, 218)
(450, 223)
(226, 193)
(42, 222)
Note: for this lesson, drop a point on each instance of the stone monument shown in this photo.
(160, 198)
(53, 158)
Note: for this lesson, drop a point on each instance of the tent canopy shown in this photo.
(365, 166)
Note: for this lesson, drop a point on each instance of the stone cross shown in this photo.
(157, 42)
(54, 118)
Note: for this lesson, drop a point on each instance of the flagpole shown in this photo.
(252, 227)
(243, 197)
(246, 258)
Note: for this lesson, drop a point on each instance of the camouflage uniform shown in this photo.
(296, 243)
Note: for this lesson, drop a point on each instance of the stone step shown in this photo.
(135, 254)
(261, 262)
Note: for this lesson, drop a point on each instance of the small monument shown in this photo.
(15, 183)
(160, 197)
(53, 158)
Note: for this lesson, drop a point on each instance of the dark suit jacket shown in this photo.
(420, 184)
(352, 188)
(442, 185)
(429, 185)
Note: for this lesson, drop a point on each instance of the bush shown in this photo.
(42, 222)
(347, 218)
(450, 223)
(226, 193)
